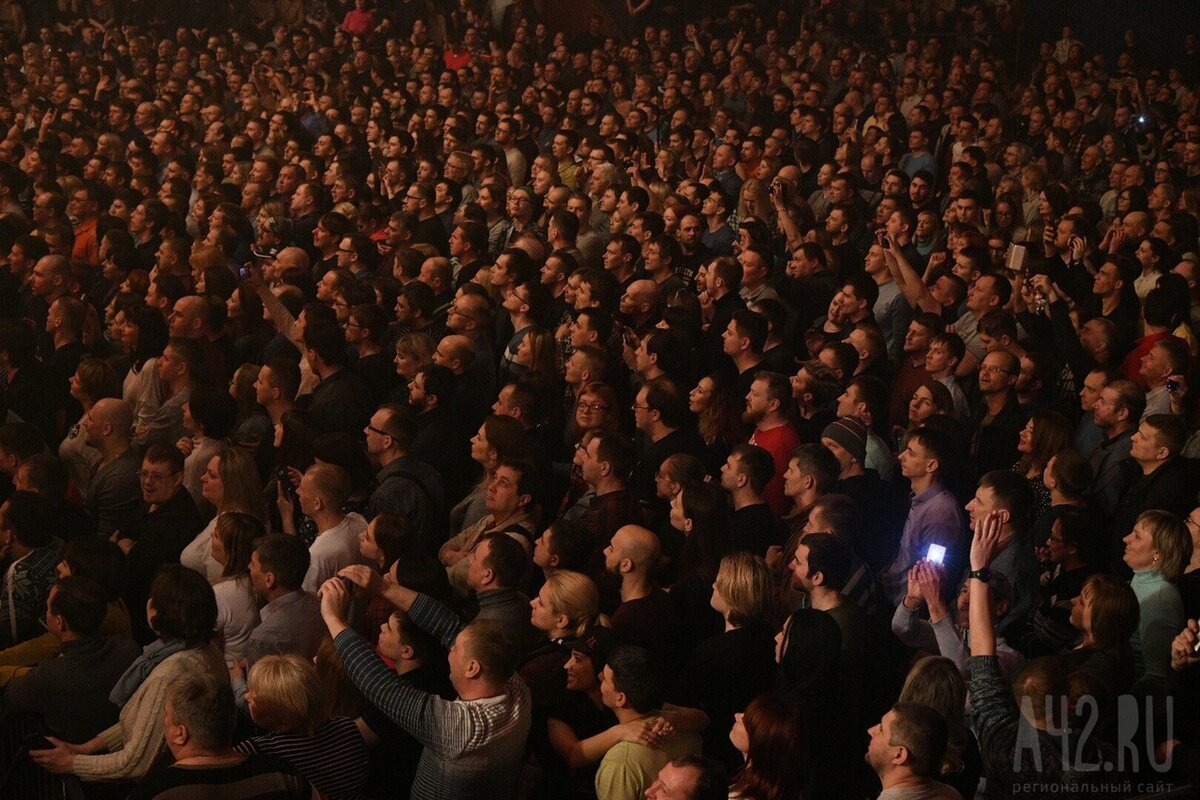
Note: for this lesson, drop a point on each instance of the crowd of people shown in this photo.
(760, 401)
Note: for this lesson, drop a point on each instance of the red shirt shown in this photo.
(1132, 364)
(779, 441)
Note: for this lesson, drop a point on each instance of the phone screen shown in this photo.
(936, 554)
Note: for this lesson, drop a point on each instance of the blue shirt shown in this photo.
(934, 517)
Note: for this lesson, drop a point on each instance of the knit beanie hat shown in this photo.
(851, 435)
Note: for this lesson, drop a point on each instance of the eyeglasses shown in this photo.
(993, 369)
(155, 477)
(637, 407)
(593, 407)
(373, 429)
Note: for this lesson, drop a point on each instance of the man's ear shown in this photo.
(473, 669)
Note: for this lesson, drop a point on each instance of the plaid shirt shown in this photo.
(473, 748)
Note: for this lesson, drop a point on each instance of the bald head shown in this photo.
(291, 257)
(638, 545)
(330, 483)
(189, 317)
(455, 352)
(112, 419)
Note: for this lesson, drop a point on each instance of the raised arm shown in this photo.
(914, 289)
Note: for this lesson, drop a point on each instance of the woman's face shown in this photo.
(1140, 552)
(218, 547)
(1044, 210)
(921, 407)
(1145, 255)
(717, 601)
(541, 615)
(125, 332)
(581, 673)
(76, 387)
(781, 641)
(367, 546)
(678, 521)
(1025, 439)
(524, 355)
(406, 367)
(481, 451)
(700, 396)
(211, 486)
(590, 412)
(738, 736)
(1081, 611)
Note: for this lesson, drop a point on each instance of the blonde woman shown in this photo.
(1157, 550)
(230, 483)
(936, 682)
(565, 608)
(285, 698)
(725, 672)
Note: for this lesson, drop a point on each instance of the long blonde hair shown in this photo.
(937, 683)
(575, 595)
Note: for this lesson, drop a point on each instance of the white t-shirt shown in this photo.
(334, 549)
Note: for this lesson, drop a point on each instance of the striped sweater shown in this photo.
(473, 749)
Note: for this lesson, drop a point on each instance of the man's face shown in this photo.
(1093, 385)
(1143, 445)
(503, 496)
(673, 783)
(1155, 366)
(1107, 408)
(880, 749)
(608, 689)
(758, 405)
(995, 373)
(801, 579)
(159, 484)
(590, 464)
(982, 504)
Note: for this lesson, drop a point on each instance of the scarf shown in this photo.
(152, 655)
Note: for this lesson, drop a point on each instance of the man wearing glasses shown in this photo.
(166, 521)
(997, 423)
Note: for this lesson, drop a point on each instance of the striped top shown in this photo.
(334, 759)
(472, 748)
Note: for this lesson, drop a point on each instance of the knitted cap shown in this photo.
(851, 435)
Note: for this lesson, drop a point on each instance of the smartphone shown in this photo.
(1172, 386)
(1016, 258)
(936, 554)
(885, 241)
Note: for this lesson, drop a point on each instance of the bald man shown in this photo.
(114, 491)
(645, 616)
(191, 318)
(640, 303)
(476, 377)
(323, 491)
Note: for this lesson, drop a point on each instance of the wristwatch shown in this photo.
(984, 575)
